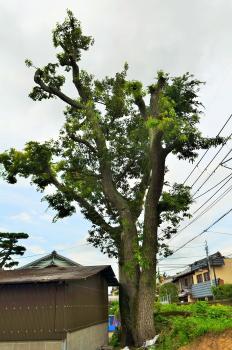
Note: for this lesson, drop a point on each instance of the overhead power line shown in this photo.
(210, 206)
(58, 250)
(214, 194)
(222, 233)
(210, 162)
(203, 156)
(212, 173)
(202, 232)
(213, 187)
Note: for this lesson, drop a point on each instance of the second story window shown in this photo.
(206, 276)
(199, 278)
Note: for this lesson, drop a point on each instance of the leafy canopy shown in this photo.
(109, 125)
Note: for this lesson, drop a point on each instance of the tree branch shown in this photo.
(155, 93)
(76, 79)
(109, 189)
(91, 213)
(139, 198)
(139, 101)
(120, 176)
(54, 91)
(82, 141)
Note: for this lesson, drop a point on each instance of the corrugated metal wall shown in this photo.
(86, 303)
(203, 289)
(46, 311)
(28, 311)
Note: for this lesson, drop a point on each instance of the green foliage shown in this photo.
(28, 63)
(177, 331)
(68, 36)
(108, 124)
(114, 309)
(169, 289)
(9, 248)
(223, 292)
(115, 339)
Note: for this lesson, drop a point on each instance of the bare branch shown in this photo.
(155, 93)
(139, 101)
(82, 141)
(54, 91)
(120, 176)
(76, 79)
(91, 213)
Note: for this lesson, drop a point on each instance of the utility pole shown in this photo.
(209, 266)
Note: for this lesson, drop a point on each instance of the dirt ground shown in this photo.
(222, 341)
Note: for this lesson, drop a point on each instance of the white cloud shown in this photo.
(23, 216)
(46, 217)
(35, 249)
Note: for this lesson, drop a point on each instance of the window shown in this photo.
(186, 282)
(199, 278)
(206, 276)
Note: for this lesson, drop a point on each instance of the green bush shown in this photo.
(114, 309)
(169, 289)
(176, 331)
(223, 292)
(115, 339)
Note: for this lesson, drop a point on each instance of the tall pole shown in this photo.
(208, 260)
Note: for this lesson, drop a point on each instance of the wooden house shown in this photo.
(54, 304)
(195, 282)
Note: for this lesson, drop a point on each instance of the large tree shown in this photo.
(9, 248)
(110, 159)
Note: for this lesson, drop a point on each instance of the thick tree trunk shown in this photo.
(144, 322)
(136, 307)
(127, 297)
(129, 273)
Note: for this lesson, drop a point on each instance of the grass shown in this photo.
(176, 331)
(178, 325)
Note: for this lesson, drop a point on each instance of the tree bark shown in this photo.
(129, 280)
(136, 301)
(144, 322)
(127, 297)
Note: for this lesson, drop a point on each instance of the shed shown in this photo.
(55, 308)
(52, 259)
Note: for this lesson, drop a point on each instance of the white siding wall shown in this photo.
(35, 345)
(90, 338)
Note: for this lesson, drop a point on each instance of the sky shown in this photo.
(177, 36)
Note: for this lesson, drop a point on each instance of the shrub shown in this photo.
(176, 331)
(223, 292)
(114, 308)
(169, 289)
(115, 339)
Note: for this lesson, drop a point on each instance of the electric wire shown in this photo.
(207, 201)
(202, 232)
(212, 173)
(45, 253)
(213, 187)
(222, 233)
(210, 162)
(227, 121)
(203, 212)
(210, 206)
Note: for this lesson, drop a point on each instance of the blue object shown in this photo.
(112, 323)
